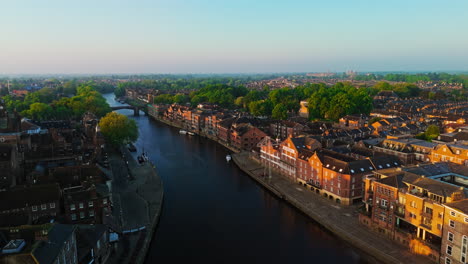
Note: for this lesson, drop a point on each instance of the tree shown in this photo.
(260, 108)
(432, 132)
(180, 98)
(280, 112)
(118, 129)
(38, 111)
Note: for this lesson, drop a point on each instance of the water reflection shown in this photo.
(215, 213)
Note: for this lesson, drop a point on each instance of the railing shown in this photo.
(427, 215)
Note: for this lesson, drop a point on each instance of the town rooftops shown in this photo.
(395, 181)
(27, 196)
(385, 162)
(461, 205)
(47, 251)
(436, 187)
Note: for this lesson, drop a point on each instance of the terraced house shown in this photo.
(409, 205)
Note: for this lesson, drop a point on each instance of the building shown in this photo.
(352, 121)
(60, 246)
(245, 136)
(93, 243)
(454, 248)
(30, 204)
(285, 129)
(84, 204)
(450, 152)
(407, 204)
(304, 109)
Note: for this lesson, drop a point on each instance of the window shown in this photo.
(81, 205)
(73, 217)
(463, 250)
(34, 208)
(452, 213)
(449, 250)
(466, 219)
(450, 237)
(448, 261)
(72, 207)
(413, 204)
(452, 223)
(43, 206)
(82, 215)
(384, 203)
(52, 205)
(91, 213)
(104, 201)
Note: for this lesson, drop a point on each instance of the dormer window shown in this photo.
(352, 171)
(340, 170)
(362, 169)
(380, 167)
(328, 165)
(388, 165)
(370, 168)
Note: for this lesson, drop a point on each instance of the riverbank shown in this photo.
(137, 198)
(340, 220)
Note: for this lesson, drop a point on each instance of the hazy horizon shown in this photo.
(223, 37)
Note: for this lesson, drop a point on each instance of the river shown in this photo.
(214, 213)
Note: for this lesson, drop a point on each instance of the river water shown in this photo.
(214, 213)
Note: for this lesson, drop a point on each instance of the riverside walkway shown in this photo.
(340, 220)
(137, 196)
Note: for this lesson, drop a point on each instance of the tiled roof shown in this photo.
(27, 196)
(461, 205)
(47, 252)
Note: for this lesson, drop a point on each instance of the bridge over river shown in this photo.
(136, 109)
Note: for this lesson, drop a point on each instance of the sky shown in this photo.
(231, 36)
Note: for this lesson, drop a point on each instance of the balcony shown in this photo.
(399, 211)
(427, 215)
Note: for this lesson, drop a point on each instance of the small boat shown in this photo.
(183, 132)
(191, 133)
(228, 158)
(131, 147)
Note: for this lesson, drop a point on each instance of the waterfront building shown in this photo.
(407, 204)
(245, 136)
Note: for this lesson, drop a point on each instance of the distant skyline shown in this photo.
(189, 36)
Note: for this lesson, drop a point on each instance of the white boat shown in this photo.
(228, 158)
(183, 132)
(191, 133)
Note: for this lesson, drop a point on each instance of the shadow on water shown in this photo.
(214, 213)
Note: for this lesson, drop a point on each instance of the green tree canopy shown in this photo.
(118, 129)
(280, 112)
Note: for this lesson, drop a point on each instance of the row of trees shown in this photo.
(404, 90)
(46, 105)
(324, 102)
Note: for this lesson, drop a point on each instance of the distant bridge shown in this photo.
(136, 109)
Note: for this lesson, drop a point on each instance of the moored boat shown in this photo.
(183, 132)
(228, 158)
